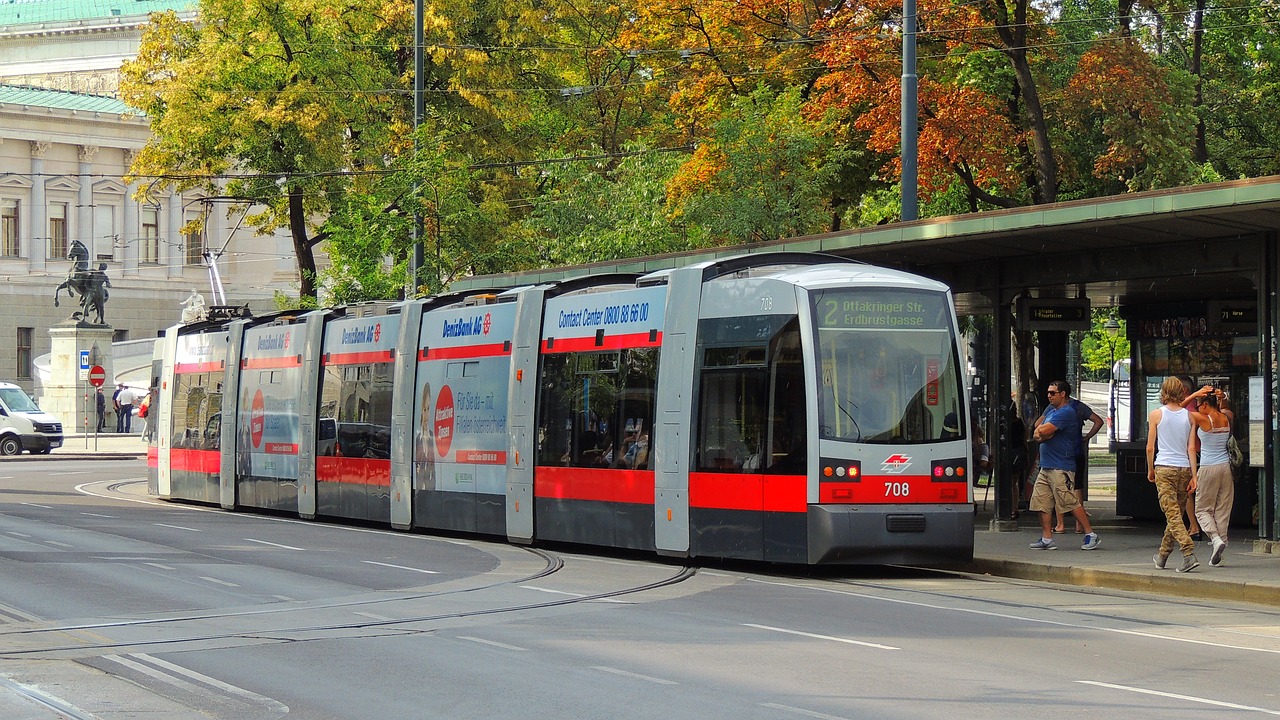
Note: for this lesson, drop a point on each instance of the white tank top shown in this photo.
(1213, 446)
(1171, 438)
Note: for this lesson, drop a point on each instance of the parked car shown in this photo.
(24, 426)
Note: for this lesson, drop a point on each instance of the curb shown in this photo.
(1172, 584)
(26, 457)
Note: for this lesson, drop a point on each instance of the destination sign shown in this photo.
(882, 310)
(1054, 314)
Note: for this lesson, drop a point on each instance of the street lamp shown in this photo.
(1112, 329)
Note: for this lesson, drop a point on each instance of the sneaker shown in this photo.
(1159, 560)
(1043, 544)
(1091, 541)
(1189, 563)
(1219, 546)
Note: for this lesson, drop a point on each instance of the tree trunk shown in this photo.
(1197, 48)
(302, 247)
(1014, 37)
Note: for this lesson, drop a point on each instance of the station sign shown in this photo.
(1054, 314)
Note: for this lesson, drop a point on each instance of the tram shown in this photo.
(780, 407)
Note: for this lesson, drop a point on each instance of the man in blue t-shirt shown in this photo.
(1059, 438)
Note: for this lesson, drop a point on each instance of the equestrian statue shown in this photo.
(90, 285)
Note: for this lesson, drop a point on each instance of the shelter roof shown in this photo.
(1100, 245)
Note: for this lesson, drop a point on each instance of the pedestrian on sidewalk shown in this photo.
(115, 406)
(1170, 453)
(1059, 438)
(101, 402)
(1086, 414)
(1215, 483)
(126, 398)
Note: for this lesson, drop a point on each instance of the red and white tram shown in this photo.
(784, 407)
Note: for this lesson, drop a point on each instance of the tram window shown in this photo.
(196, 400)
(355, 411)
(596, 408)
(751, 406)
(888, 369)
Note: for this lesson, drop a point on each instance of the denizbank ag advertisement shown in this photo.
(460, 423)
(270, 385)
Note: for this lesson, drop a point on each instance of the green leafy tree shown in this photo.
(590, 212)
(764, 174)
(275, 102)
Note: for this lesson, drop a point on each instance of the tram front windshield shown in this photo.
(888, 366)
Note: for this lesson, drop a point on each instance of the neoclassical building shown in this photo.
(65, 146)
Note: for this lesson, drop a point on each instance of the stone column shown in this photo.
(129, 207)
(84, 206)
(172, 237)
(37, 214)
(66, 396)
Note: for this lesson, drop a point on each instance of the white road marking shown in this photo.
(1022, 618)
(264, 542)
(158, 565)
(285, 598)
(802, 711)
(77, 472)
(637, 676)
(371, 616)
(1176, 696)
(59, 544)
(400, 567)
(46, 507)
(176, 527)
(15, 533)
(97, 515)
(494, 643)
(216, 580)
(162, 665)
(822, 637)
(553, 592)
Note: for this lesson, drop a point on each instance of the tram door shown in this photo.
(747, 486)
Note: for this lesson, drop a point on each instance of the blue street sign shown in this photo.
(84, 359)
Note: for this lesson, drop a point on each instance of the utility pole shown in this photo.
(419, 111)
(910, 114)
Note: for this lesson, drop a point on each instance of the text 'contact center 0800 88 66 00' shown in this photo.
(741, 408)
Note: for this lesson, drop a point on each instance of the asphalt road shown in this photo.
(116, 606)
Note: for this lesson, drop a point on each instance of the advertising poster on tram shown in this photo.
(460, 423)
(624, 316)
(270, 386)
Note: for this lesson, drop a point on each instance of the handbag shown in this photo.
(1234, 454)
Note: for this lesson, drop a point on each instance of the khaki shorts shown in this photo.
(1054, 489)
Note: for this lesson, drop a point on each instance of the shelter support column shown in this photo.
(1269, 304)
(1001, 362)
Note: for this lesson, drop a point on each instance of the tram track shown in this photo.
(290, 632)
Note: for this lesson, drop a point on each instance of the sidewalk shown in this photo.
(1250, 570)
(106, 446)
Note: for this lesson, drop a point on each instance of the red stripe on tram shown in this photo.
(354, 471)
(748, 491)
(599, 484)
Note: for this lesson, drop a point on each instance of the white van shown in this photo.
(23, 425)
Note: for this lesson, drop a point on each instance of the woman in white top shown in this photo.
(1215, 483)
(1170, 453)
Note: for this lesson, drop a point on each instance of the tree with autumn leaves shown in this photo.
(568, 132)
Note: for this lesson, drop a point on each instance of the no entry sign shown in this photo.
(97, 376)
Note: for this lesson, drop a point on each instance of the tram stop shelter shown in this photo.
(1193, 271)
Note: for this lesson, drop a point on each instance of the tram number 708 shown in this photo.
(897, 489)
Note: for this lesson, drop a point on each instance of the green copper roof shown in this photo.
(59, 99)
(25, 12)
